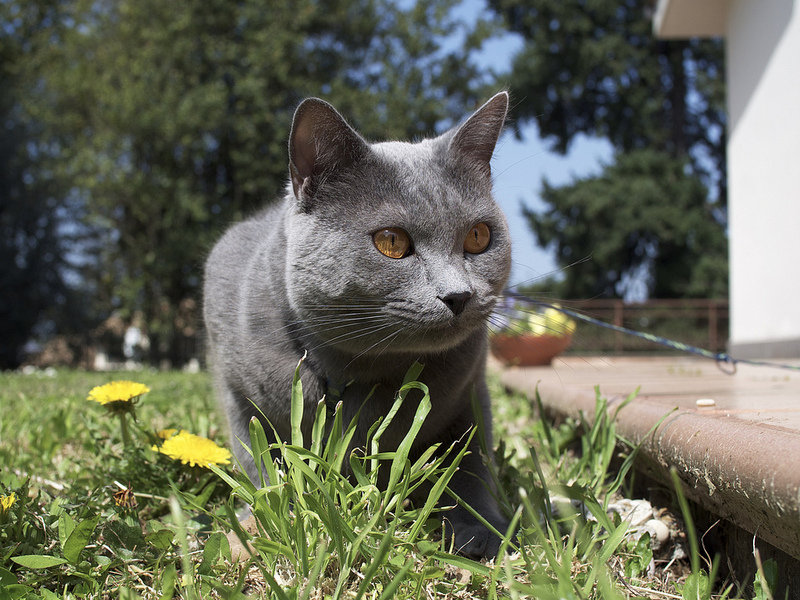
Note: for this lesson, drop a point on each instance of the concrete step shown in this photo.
(733, 439)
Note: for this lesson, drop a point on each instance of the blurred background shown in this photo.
(135, 131)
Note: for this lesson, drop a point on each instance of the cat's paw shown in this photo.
(470, 538)
(475, 541)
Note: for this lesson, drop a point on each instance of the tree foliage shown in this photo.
(639, 218)
(593, 67)
(169, 120)
(34, 243)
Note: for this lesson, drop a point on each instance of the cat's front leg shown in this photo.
(473, 485)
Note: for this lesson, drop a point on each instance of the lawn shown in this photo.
(90, 512)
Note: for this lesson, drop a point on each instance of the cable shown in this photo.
(725, 361)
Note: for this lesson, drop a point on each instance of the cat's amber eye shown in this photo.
(393, 242)
(478, 239)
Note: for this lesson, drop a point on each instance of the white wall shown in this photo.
(763, 70)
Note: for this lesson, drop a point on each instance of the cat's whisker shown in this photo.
(336, 322)
(321, 327)
(349, 319)
(354, 335)
(345, 307)
(312, 323)
(388, 340)
(332, 326)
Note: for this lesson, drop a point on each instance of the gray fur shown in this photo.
(304, 275)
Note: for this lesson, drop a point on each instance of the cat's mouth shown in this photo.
(436, 332)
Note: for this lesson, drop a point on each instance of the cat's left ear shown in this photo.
(320, 142)
(475, 140)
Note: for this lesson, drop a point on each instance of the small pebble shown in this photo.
(658, 530)
(705, 402)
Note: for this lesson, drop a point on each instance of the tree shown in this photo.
(33, 245)
(595, 68)
(172, 118)
(664, 238)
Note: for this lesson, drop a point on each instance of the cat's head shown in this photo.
(393, 247)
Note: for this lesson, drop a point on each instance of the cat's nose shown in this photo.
(456, 302)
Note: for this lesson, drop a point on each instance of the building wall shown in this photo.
(763, 70)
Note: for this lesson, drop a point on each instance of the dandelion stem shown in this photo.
(126, 435)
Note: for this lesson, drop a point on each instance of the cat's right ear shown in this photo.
(320, 142)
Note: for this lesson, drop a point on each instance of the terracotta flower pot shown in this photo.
(528, 350)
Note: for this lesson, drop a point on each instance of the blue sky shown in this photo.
(520, 165)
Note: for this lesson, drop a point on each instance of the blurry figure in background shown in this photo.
(135, 342)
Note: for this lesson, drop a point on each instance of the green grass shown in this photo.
(318, 534)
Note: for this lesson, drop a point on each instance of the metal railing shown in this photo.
(697, 322)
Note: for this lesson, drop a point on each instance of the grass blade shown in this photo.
(612, 542)
(377, 560)
(318, 428)
(401, 455)
(389, 590)
(244, 489)
(319, 564)
(297, 406)
(694, 547)
(436, 492)
(260, 446)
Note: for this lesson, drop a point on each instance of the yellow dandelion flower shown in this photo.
(6, 502)
(119, 398)
(165, 434)
(194, 450)
(117, 391)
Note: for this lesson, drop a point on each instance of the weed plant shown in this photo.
(93, 518)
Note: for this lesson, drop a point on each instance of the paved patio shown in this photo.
(734, 439)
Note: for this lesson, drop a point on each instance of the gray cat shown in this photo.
(378, 256)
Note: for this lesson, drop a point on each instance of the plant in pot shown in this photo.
(522, 337)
